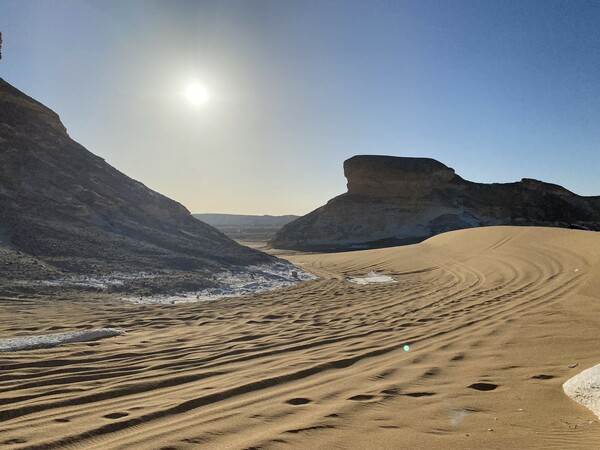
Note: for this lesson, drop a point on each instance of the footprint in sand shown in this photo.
(272, 317)
(195, 440)
(313, 428)
(115, 415)
(543, 377)
(385, 374)
(390, 391)
(298, 401)
(420, 394)
(434, 371)
(483, 386)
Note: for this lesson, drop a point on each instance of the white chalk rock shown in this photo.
(372, 277)
(51, 340)
(584, 388)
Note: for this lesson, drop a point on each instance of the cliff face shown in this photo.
(382, 176)
(73, 213)
(393, 201)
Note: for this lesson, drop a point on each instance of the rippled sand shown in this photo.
(493, 318)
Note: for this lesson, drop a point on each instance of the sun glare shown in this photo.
(196, 94)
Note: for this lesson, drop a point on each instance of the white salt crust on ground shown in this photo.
(238, 282)
(51, 340)
(101, 282)
(584, 388)
(372, 277)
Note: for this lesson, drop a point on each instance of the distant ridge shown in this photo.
(241, 220)
(397, 200)
(65, 211)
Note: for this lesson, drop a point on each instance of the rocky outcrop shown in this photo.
(382, 176)
(394, 201)
(64, 210)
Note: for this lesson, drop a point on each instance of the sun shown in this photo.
(196, 94)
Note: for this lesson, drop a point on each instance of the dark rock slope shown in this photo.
(66, 211)
(393, 201)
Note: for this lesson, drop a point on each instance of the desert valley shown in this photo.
(418, 309)
(461, 341)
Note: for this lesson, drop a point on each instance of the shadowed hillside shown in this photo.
(64, 210)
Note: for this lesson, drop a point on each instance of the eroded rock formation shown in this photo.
(66, 211)
(394, 200)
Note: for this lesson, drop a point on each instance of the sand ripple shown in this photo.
(493, 318)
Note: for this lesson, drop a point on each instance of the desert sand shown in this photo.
(493, 317)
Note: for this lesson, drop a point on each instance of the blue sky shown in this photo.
(498, 90)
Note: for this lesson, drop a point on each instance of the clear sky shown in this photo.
(497, 90)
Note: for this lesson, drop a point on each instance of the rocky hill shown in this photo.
(65, 211)
(394, 201)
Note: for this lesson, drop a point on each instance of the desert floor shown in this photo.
(493, 318)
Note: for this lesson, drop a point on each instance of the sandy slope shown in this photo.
(321, 365)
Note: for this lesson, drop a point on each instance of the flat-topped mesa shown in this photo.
(396, 201)
(390, 176)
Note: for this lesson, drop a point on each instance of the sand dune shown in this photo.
(494, 317)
